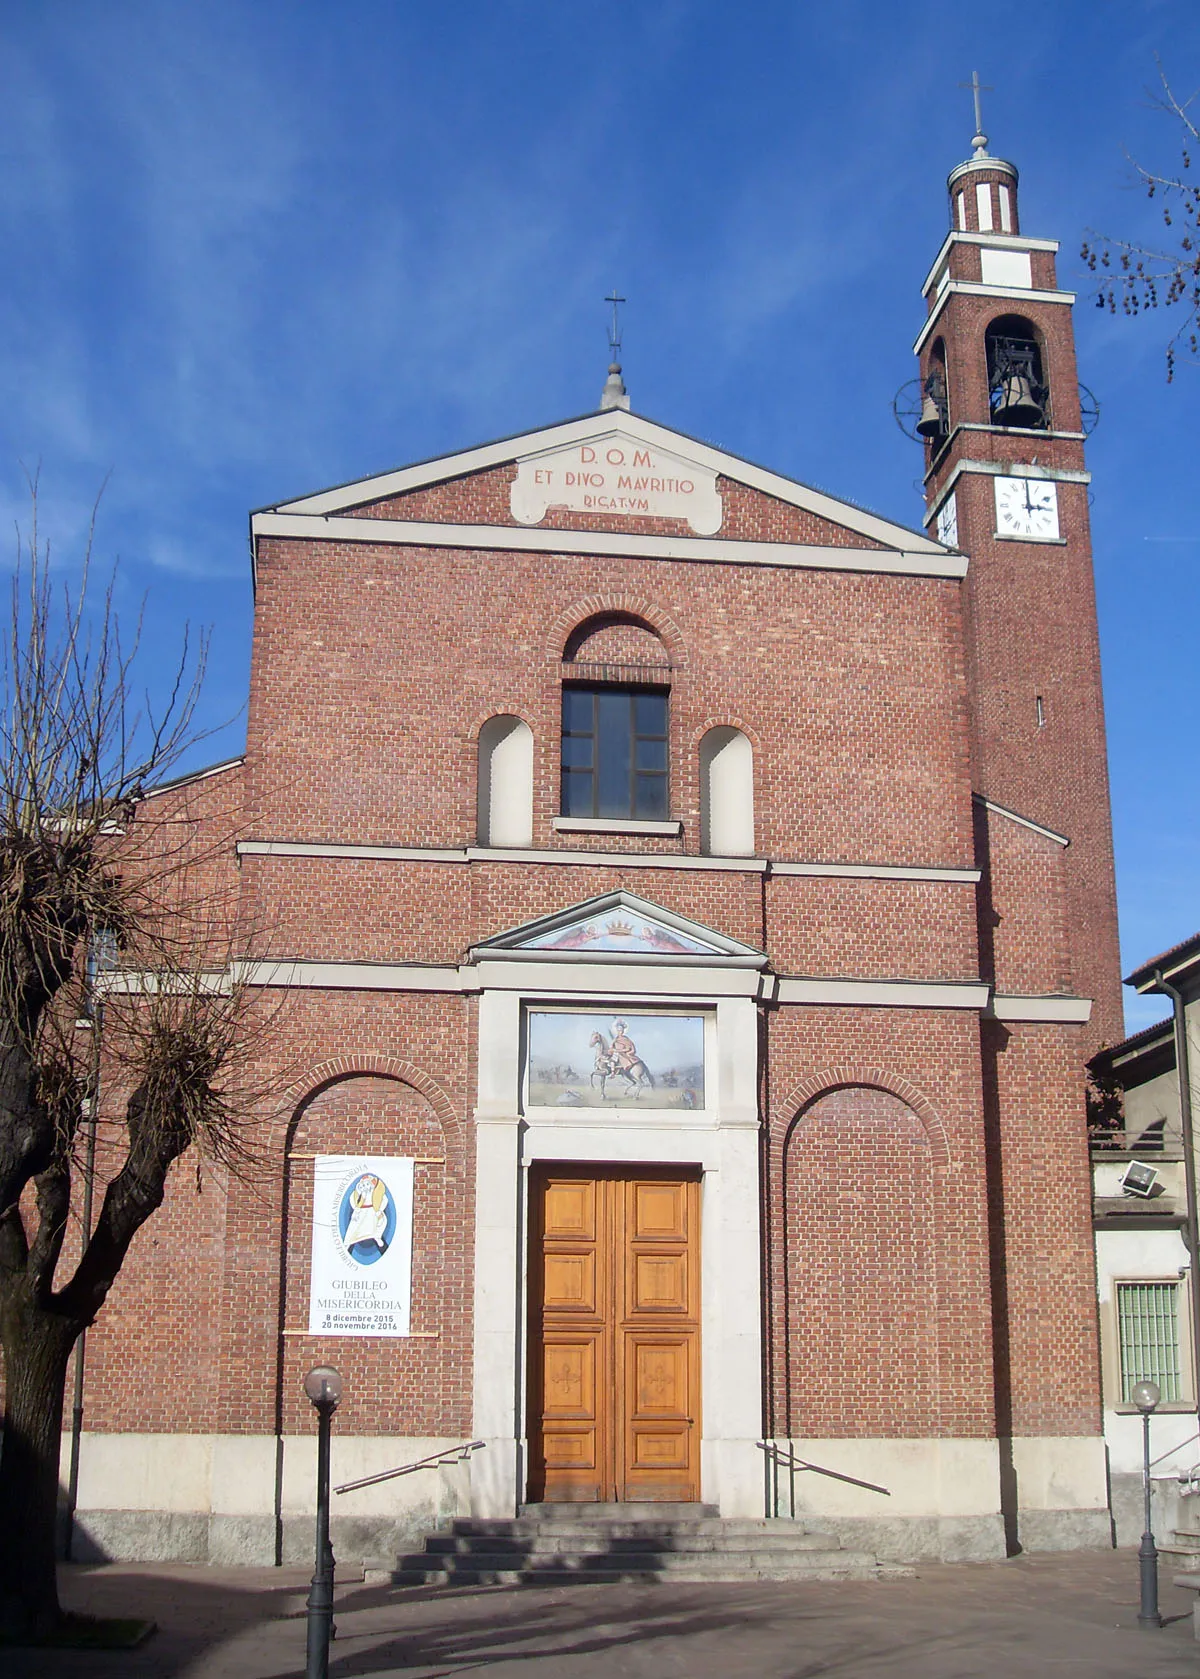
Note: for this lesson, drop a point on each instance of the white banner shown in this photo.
(361, 1278)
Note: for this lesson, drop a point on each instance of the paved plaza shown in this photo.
(1072, 1615)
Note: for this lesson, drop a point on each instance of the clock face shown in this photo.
(947, 522)
(1027, 507)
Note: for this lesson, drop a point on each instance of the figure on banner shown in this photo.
(368, 1202)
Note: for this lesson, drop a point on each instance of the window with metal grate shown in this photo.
(1148, 1332)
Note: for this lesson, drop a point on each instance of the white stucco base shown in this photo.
(947, 1498)
(234, 1499)
(250, 1498)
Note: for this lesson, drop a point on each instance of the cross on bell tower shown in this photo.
(976, 87)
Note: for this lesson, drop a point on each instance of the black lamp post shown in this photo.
(1146, 1396)
(324, 1387)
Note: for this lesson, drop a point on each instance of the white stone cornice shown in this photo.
(877, 871)
(1074, 1011)
(886, 993)
(350, 976)
(1012, 469)
(913, 561)
(604, 859)
(367, 853)
(1021, 821)
(976, 288)
(1000, 241)
(658, 981)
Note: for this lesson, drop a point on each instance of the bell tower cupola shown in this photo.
(983, 193)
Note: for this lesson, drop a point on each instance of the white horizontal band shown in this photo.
(886, 993)
(1000, 241)
(602, 859)
(717, 978)
(351, 976)
(975, 288)
(416, 533)
(1021, 821)
(878, 871)
(1016, 469)
(1071, 1010)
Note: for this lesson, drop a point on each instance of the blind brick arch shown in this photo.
(860, 1331)
(410, 1386)
(364, 1064)
(607, 606)
(877, 1078)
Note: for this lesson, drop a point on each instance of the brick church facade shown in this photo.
(707, 885)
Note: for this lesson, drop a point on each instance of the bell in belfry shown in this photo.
(1016, 406)
(931, 423)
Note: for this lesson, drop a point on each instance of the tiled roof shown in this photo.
(1177, 957)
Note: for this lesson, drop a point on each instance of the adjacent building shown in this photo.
(1141, 1173)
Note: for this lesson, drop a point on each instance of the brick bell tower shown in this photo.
(1006, 483)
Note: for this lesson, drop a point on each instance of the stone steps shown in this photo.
(564, 1544)
(1183, 1545)
(554, 1544)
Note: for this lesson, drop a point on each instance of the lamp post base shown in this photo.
(1148, 1615)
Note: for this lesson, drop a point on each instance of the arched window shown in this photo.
(1018, 390)
(505, 801)
(726, 793)
(615, 722)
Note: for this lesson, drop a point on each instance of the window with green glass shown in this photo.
(614, 752)
(1148, 1332)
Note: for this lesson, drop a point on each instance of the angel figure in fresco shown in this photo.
(368, 1212)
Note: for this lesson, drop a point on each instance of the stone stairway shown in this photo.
(553, 1544)
(1182, 1549)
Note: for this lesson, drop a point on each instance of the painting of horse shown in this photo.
(651, 1060)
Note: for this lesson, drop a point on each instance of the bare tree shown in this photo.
(89, 859)
(1140, 277)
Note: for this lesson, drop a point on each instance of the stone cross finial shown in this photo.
(976, 87)
(614, 394)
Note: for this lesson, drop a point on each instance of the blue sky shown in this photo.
(256, 249)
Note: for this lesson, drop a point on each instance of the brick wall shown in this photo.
(875, 1205)
(850, 684)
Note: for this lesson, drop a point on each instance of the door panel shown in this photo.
(658, 1282)
(614, 1335)
(570, 1282)
(659, 1209)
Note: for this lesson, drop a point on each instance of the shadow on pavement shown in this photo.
(1070, 1617)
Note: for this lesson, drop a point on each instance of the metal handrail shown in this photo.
(791, 1461)
(452, 1454)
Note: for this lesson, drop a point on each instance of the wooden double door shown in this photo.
(614, 1293)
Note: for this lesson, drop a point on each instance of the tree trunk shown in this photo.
(37, 1345)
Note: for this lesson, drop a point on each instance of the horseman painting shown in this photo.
(647, 1060)
(619, 1060)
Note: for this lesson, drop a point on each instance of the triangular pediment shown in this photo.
(618, 927)
(613, 464)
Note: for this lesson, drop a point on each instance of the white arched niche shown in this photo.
(726, 793)
(505, 807)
